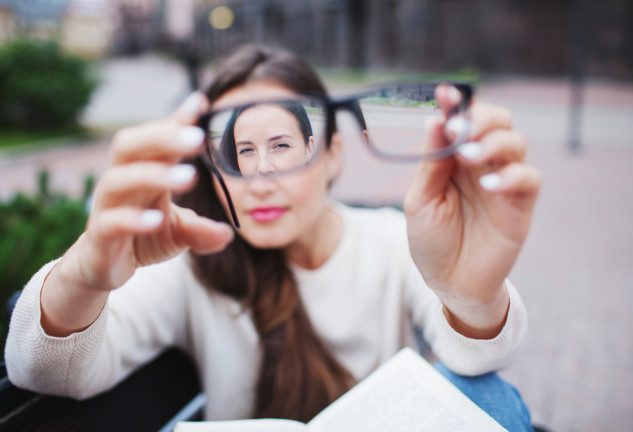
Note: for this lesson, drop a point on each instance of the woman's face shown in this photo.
(276, 212)
(268, 139)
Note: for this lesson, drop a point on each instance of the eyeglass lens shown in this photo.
(396, 117)
(267, 137)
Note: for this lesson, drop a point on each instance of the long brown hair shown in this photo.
(298, 376)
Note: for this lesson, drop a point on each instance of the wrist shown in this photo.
(475, 319)
(68, 304)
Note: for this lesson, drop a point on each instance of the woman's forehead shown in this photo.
(253, 91)
(266, 117)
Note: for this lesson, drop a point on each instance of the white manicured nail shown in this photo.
(191, 106)
(454, 95)
(190, 137)
(460, 127)
(180, 174)
(490, 181)
(152, 218)
(470, 150)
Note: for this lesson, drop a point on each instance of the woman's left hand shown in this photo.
(469, 215)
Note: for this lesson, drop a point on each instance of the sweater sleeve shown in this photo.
(139, 320)
(463, 355)
(471, 357)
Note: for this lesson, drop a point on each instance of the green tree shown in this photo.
(41, 86)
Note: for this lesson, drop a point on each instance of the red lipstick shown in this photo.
(267, 214)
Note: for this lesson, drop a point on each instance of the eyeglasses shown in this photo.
(276, 137)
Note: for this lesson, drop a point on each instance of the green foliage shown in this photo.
(17, 138)
(33, 231)
(42, 87)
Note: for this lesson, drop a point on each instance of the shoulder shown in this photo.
(379, 232)
(370, 214)
(380, 222)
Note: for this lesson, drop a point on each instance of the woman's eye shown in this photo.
(245, 151)
(281, 145)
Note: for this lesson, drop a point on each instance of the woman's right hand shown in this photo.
(133, 222)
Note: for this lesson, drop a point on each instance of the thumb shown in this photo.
(432, 176)
(201, 234)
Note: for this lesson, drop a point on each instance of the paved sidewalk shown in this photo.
(575, 272)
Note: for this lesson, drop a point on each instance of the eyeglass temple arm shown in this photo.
(218, 176)
(202, 121)
(229, 201)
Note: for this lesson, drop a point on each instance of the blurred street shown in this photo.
(575, 272)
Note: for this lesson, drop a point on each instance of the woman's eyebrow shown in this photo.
(276, 137)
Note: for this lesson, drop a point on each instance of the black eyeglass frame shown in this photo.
(347, 103)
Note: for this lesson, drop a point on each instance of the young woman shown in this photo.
(309, 296)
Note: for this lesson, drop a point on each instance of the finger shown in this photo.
(124, 183)
(513, 179)
(189, 111)
(201, 234)
(485, 118)
(457, 128)
(120, 221)
(169, 140)
(432, 176)
(165, 140)
(495, 148)
(479, 119)
(448, 97)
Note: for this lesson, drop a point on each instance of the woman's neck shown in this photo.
(313, 249)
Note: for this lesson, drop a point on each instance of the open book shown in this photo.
(404, 394)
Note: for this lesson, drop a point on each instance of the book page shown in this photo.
(257, 425)
(404, 394)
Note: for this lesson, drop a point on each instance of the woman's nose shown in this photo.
(262, 186)
(265, 166)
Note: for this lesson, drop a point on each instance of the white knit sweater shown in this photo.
(363, 302)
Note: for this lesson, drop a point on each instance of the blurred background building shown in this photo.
(507, 36)
(497, 36)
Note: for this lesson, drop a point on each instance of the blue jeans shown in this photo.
(495, 396)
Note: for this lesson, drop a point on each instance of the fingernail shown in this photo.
(490, 181)
(460, 127)
(190, 137)
(191, 105)
(180, 174)
(454, 95)
(152, 218)
(470, 150)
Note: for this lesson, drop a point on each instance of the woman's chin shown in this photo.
(265, 240)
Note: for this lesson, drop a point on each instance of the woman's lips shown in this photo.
(267, 214)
